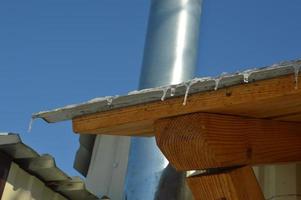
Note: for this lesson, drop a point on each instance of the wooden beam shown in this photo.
(237, 184)
(258, 99)
(202, 141)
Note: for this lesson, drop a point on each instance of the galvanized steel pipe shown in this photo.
(170, 57)
(171, 47)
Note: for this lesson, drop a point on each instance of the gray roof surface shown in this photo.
(43, 167)
(196, 85)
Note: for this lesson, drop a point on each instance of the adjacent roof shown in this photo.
(194, 86)
(43, 167)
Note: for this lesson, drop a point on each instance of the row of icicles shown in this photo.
(245, 74)
(188, 85)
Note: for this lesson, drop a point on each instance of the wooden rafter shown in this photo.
(220, 144)
(276, 98)
(201, 141)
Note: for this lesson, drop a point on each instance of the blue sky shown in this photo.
(59, 52)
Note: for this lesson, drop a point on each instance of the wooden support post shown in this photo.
(202, 141)
(236, 184)
(212, 141)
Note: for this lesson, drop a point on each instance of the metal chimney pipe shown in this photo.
(170, 57)
(171, 47)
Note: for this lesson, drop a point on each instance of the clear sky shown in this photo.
(59, 52)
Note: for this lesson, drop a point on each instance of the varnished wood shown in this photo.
(262, 99)
(144, 128)
(201, 141)
(238, 184)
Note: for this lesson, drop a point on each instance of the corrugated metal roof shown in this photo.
(43, 167)
(196, 85)
(24, 186)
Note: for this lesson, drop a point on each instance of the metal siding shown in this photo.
(106, 174)
(84, 153)
(21, 185)
(280, 182)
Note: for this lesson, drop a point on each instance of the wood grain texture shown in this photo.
(202, 141)
(259, 99)
(238, 184)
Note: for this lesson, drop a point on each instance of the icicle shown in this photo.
(109, 101)
(191, 83)
(188, 85)
(172, 91)
(217, 83)
(164, 93)
(246, 75)
(218, 80)
(30, 124)
(297, 70)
